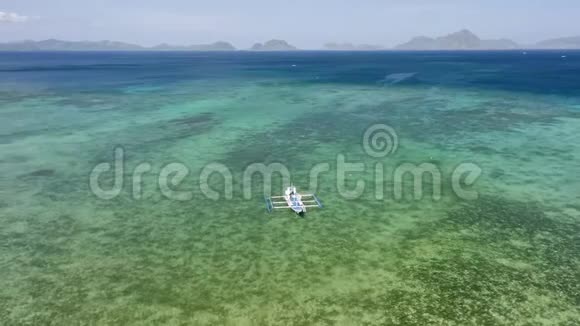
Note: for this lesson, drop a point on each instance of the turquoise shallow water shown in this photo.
(509, 257)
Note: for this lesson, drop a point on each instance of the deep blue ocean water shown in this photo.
(545, 72)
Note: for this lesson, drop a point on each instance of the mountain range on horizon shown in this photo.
(461, 40)
(273, 45)
(59, 45)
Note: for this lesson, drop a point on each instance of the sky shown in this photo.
(304, 23)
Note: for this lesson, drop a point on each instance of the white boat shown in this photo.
(293, 200)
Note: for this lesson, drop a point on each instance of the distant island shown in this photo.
(466, 40)
(217, 46)
(560, 43)
(461, 40)
(58, 45)
(274, 45)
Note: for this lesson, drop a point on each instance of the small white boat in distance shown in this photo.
(293, 200)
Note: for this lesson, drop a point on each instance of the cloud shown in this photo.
(10, 17)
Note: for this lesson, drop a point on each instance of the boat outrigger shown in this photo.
(293, 200)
